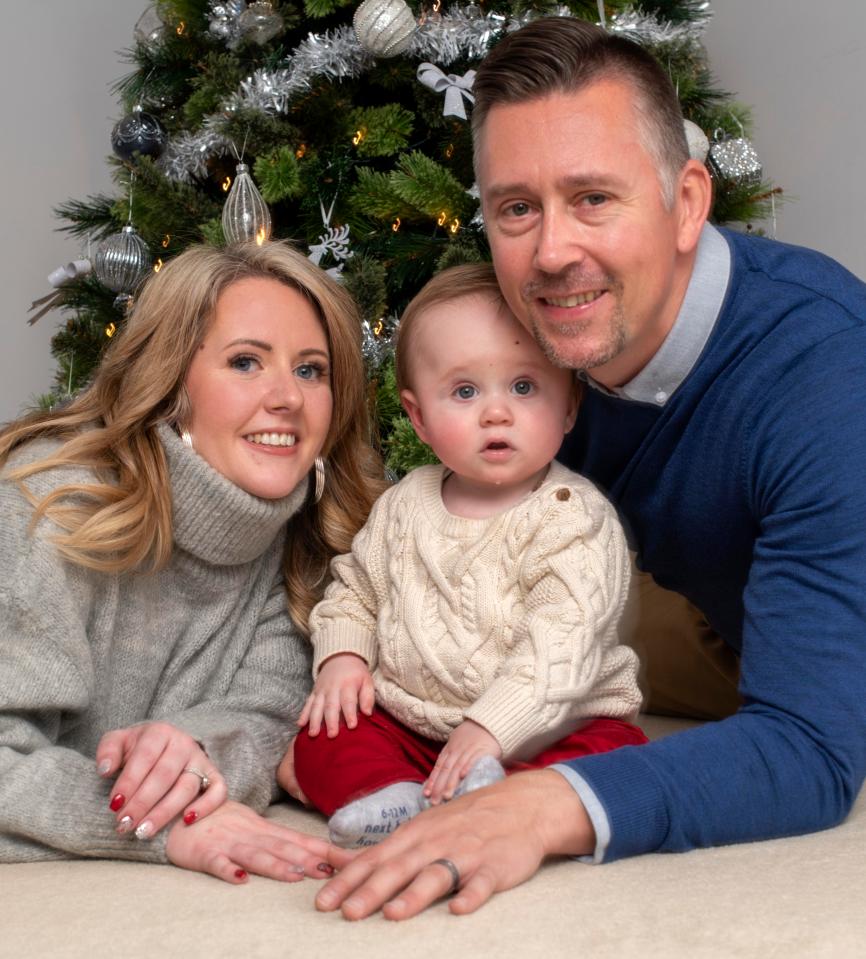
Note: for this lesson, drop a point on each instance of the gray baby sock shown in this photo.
(370, 819)
(484, 772)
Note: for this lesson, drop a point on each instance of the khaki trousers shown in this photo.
(686, 668)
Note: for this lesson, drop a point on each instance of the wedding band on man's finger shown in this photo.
(204, 779)
(453, 870)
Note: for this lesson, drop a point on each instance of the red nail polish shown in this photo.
(240, 874)
(117, 801)
(190, 817)
(326, 868)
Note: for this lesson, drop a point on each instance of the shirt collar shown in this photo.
(683, 345)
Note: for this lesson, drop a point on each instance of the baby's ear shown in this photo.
(413, 411)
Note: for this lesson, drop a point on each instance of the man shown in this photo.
(723, 417)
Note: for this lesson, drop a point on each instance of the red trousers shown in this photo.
(381, 751)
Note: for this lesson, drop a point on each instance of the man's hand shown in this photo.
(343, 685)
(497, 837)
(467, 744)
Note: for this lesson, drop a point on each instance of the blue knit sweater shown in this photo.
(746, 492)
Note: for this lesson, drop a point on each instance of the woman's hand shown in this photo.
(234, 841)
(343, 685)
(465, 746)
(161, 770)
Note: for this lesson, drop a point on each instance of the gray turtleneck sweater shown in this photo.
(205, 644)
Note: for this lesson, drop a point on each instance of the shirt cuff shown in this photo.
(594, 809)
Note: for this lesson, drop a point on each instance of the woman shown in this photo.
(151, 673)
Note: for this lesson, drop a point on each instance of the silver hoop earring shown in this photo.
(319, 470)
(186, 437)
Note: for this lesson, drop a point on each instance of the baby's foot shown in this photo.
(370, 819)
(484, 772)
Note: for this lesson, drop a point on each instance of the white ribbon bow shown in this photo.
(58, 278)
(454, 87)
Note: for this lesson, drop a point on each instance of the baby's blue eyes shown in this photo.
(522, 387)
(465, 392)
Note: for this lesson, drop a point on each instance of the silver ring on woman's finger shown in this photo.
(204, 780)
(455, 874)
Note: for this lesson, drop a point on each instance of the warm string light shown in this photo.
(443, 216)
(165, 241)
(395, 226)
(158, 265)
(449, 151)
(181, 27)
(261, 236)
(301, 151)
(359, 135)
(227, 182)
(455, 225)
(110, 330)
(379, 328)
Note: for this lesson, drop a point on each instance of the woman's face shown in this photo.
(260, 388)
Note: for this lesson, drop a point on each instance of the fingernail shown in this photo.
(117, 800)
(326, 868)
(240, 874)
(144, 830)
(326, 898)
(190, 817)
(104, 768)
(124, 825)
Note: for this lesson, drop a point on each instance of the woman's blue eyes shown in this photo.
(242, 363)
(305, 371)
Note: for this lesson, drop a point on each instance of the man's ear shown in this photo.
(693, 200)
(413, 411)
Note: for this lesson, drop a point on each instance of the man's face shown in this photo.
(585, 250)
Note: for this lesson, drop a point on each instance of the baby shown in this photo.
(473, 625)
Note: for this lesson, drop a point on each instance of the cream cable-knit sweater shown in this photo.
(205, 644)
(509, 621)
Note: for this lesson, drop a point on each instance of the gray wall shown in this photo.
(800, 66)
(57, 61)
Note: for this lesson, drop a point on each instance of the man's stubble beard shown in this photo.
(616, 342)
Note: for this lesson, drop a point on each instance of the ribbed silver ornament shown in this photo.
(384, 27)
(245, 215)
(122, 260)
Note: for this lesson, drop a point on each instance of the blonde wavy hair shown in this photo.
(122, 520)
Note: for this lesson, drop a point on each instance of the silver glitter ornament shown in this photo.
(224, 23)
(121, 262)
(245, 215)
(734, 159)
(260, 22)
(697, 140)
(139, 132)
(384, 27)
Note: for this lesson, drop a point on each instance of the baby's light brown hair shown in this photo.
(454, 283)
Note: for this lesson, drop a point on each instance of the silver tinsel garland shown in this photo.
(463, 32)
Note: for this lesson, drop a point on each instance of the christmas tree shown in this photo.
(343, 128)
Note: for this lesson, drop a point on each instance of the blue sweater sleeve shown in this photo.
(792, 760)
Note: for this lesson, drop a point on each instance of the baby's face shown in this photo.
(488, 401)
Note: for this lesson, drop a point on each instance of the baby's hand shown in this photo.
(343, 685)
(161, 772)
(465, 746)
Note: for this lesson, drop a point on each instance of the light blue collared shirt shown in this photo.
(655, 384)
